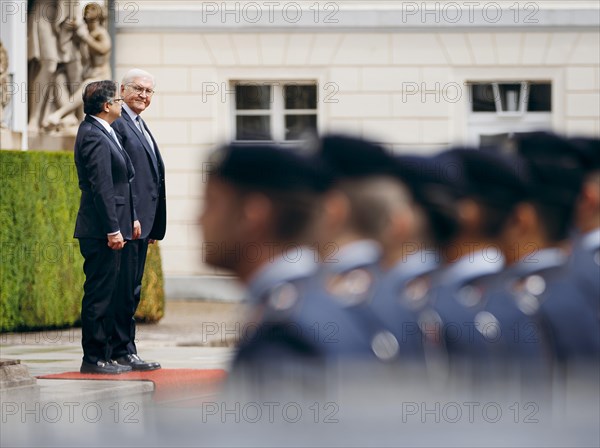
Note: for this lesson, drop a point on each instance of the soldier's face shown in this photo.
(138, 94)
(220, 221)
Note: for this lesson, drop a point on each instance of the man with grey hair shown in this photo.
(137, 90)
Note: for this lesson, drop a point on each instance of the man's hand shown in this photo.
(116, 242)
(151, 241)
(137, 230)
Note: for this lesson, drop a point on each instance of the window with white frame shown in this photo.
(275, 111)
(500, 108)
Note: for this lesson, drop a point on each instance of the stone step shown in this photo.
(14, 374)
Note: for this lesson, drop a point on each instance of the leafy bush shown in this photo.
(41, 274)
(152, 303)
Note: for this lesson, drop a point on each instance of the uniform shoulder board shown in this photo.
(488, 325)
(351, 288)
(385, 346)
(527, 293)
(283, 297)
(415, 292)
(431, 325)
(470, 295)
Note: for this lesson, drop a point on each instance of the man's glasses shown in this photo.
(139, 89)
(116, 100)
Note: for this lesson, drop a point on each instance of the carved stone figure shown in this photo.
(47, 47)
(4, 79)
(95, 44)
(64, 53)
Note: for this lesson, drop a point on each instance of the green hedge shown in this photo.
(152, 304)
(41, 274)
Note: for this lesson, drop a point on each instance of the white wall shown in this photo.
(374, 73)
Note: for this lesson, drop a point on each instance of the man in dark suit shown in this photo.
(105, 222)
(149, 196)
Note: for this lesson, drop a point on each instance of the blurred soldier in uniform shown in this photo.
(482, 189)
(256, 225)
(538, 280)
(512, 335)
(371, 219)
(335, 312)
(409, 258)
(585, 260)
(334, 316)
(358, 206)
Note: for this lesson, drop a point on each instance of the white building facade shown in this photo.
(416, 76)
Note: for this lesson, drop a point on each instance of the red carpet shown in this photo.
(169, 384)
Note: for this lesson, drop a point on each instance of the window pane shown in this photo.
(510, 96)
(300, 97)
(253, 96)
(482, 97)
(253, 127)
(493, 140)
(297, 126)
(540, 98)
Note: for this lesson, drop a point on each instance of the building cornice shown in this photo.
(282, 16)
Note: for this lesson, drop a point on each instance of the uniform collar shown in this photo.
(283, 269)
(356, 254)
(473, 266)
(551, 257)
(414, 265)
(591, 240)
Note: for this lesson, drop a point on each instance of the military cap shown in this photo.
(489, 176)
(588, 150)
(269, 168)
(432, 183)
(555, 167)
(419, 173)
(353, 158)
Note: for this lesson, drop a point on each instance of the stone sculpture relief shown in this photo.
(4, 80)
(65, 53)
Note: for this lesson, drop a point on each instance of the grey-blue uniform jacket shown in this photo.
(457, 303)
(584, 267)
(402, 296)
(318, 310)
(542, 287)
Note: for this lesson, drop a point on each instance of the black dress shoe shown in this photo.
(136, 363)
(109, 367)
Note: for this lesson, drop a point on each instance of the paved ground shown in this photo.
(64, 413)
(197, 335)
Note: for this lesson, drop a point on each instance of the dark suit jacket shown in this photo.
(105, 173)
(149, 190)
